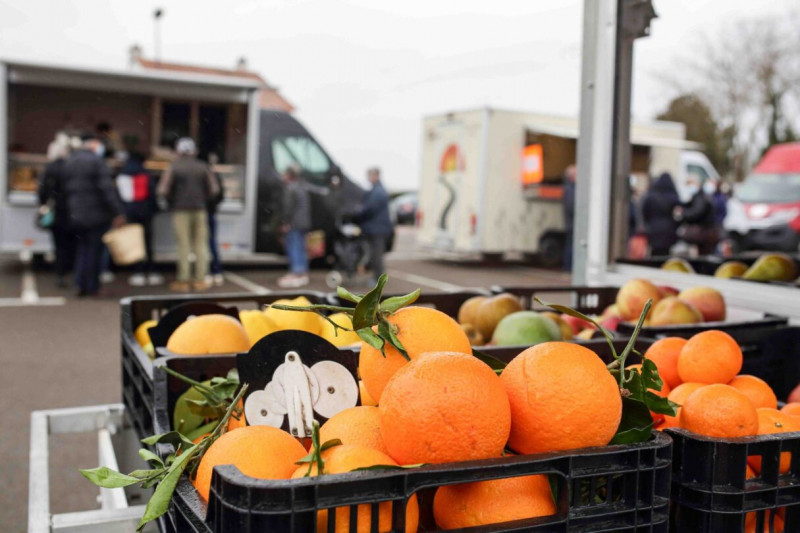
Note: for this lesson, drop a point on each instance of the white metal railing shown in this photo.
(114, 515)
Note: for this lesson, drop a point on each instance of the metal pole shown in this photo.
(157, 33)
(633, 22)
(594, 142)
(601, 211)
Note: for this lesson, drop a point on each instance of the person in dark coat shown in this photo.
(568, 200)
(658, 206)
(296, 222)
(698, 224)
(92, 205)
(137, 191)
(375, 221)
(53, 198)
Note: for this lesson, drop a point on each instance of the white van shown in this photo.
(491, 183)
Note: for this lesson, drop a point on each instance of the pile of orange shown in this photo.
(445, 405)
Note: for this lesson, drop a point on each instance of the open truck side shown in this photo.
(491, 183)
(149, 110)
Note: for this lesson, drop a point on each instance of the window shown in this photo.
(302, 151)
(770, 189)
(698, 172)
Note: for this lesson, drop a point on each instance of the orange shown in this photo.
(719, 411)
(209, 334)
(749, 473)
(710, 357)
(360, 426)
(491, 502)
(756, 389)
(773, 421)
(750, 523)
(366, 399)
(420, 330)
(262, 452)
(791, 409)
(679, 395)
(562, 397)
(664, 353)
(444, 407)
(342, 459)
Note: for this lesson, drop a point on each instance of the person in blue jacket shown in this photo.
(375, 221)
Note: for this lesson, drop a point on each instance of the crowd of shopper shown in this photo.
(661, 217)
(81, 199)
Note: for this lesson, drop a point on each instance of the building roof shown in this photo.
(269, 97)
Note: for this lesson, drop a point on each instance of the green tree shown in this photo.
(690, 110)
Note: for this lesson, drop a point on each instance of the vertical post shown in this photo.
(194, 121)
(4, 126)
(592, 209)
(633, 22)
(603, 193)
(251, 165)
(155, 125)
(157, 34)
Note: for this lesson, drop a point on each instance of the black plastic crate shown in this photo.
(704, 265)
(638, 477)
(447, 302)
(593, 300)
(707, 265)
(709, 490)
(137, 367)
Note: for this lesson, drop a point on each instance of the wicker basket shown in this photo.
(126, 244)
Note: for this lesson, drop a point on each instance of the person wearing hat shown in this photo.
(92, 205)
(186, 186)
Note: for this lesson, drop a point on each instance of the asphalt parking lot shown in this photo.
(61, 351)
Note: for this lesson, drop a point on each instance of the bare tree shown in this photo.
(749, 75)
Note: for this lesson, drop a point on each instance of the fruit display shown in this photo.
(437, 404)
(767, 267)
(428, 404)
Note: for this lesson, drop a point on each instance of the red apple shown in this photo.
(666, 290)
(577, 324)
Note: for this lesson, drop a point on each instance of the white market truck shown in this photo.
(149, 110)
(491, 180)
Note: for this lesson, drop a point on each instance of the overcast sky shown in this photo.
(363, 73)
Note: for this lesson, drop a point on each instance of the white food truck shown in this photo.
(491, 181)
(231, 113)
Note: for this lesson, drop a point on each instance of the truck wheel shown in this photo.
(551, 251)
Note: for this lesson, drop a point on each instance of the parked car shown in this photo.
(764, 213)
(404, 209)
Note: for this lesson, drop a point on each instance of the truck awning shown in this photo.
(165, 84)
(571, 132)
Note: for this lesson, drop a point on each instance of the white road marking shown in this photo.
(29, 294)
(245, 283)
(424, 280)
(19, 302)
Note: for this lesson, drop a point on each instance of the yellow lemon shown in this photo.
(141, 334)
(366, 399)
(257, 325)
(302, 320)
(344, 338)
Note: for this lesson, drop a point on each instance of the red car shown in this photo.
(764, 213)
